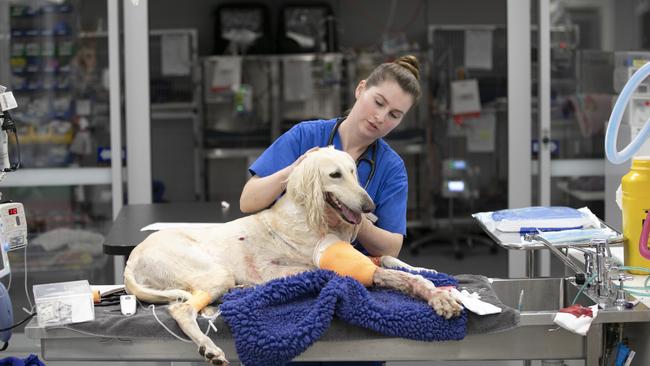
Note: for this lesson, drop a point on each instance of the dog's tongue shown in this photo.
(351, 216)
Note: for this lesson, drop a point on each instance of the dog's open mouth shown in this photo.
(346, 213)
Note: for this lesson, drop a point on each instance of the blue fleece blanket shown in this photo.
(275, 322)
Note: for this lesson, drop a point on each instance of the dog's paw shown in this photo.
(213, 355)
(445, 304)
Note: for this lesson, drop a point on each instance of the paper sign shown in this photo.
(226, 74)
(481, 133)
(478, 49)
(175, 55)
(464, 97)
(298, 82)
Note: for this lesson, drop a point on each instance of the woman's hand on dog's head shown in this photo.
(303, 156)
(286, 172)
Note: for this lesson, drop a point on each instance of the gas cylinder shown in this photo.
(636, 204)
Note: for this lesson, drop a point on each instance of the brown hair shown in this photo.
(405, 71)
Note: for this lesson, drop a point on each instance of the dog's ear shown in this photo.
(305, 189)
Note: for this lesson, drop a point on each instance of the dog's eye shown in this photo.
(335, 175)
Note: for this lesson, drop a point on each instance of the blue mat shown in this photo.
(31, 360)
(275, 322)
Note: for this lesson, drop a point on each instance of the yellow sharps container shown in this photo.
(636, 203)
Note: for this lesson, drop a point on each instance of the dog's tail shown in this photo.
(144, 293)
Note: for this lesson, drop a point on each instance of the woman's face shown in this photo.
(380, 108)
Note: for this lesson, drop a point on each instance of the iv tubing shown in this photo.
(583, 288)
(636, 268)
(611, 136)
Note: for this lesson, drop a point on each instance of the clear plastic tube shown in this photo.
(582, 288)
(611, 136)
(636, 268)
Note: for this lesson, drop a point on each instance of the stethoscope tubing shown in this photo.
(363, 157)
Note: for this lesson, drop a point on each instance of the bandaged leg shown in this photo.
(339, 256)
(199, 300)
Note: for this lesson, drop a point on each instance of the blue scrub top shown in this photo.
(388, 188)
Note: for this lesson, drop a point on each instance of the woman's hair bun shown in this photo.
(411, 63)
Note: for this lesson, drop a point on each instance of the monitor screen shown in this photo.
(456, 186)
(458, 164)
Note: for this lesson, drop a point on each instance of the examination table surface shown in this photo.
(341, 342)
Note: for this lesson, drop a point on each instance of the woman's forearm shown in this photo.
(260, 192)
(378, 241)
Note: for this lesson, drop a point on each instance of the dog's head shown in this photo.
(329, 177)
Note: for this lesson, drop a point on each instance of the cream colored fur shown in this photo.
(170, 265)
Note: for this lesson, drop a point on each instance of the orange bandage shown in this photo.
(199, 300)
(342, 258)
(97, 297)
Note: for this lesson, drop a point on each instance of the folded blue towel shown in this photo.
(275, 322)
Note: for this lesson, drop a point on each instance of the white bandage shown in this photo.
(323, 244)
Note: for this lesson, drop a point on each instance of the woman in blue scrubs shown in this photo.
(382, 100)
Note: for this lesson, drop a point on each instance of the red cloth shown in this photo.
(577, 311)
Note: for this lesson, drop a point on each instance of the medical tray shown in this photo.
(512, 240)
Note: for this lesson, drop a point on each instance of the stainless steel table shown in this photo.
(532, 340)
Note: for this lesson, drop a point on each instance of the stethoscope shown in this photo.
(363, 157)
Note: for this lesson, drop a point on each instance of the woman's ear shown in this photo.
(360, 88)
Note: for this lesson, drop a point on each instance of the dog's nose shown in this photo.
(368, 205)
